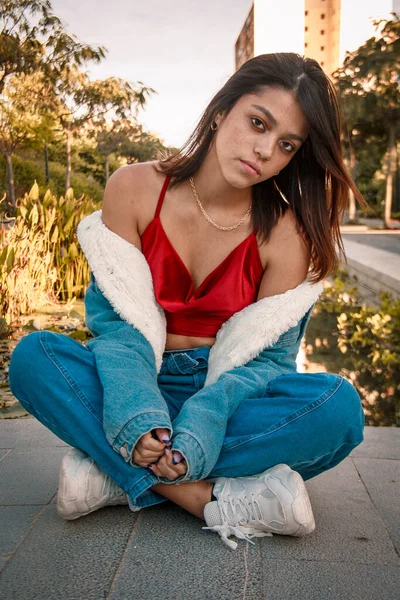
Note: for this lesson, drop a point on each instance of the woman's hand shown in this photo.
(150, 447)
(171, 465)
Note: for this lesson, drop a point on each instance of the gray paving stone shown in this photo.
(30, 476)
(71, 560)
(18, 433)
(11, 429)
(14, 523)
(348, 527)
(36, 435)
(382, 480)
(379, 442)
(284, 579)
(350, 555)
(170, 556)
(3, 453)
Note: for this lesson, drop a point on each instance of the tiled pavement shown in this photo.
(162, 552)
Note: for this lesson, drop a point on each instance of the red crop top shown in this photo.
(229, 288)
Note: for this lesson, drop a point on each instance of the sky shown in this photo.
(184, 49)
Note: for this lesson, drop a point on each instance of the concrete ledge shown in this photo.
(376, 270)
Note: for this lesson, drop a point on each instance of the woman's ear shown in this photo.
(219, 118)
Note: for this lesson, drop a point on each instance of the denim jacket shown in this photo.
(254, 346)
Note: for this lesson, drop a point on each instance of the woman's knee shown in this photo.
(28, 361)
(28, 349)
(347, 413)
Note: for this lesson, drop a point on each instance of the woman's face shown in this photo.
(259, 136)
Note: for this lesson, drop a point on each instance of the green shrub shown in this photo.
(27, 170)
(81, 184)
(371, 212)
(372, 336)
(27, 275)
(362, 343)
(40, 255)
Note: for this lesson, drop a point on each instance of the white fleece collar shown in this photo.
(258, 326)
(124, 277)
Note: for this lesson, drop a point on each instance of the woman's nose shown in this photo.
(265, 148)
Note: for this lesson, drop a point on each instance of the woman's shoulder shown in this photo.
(288, 257)
(130, 198)
(129, 184)
(288, 232)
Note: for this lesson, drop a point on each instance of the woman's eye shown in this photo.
(288, 146)
(258, 123)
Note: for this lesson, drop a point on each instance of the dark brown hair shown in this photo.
(315, 183)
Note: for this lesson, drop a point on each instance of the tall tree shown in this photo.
(84, 105)
(370, 77)
(33, 43)
(126, 138)
(33, 38)
(23, 123)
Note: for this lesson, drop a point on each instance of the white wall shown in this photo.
(278, 26)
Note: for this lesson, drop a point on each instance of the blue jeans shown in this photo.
(310, 422)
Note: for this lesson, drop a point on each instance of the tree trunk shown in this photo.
(10, 173)
(46, 163)
(391, 164)
(352, 200)
(68, 173)
(107, 166)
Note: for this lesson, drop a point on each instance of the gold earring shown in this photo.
(214, 126)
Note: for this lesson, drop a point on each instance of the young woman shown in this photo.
(205, 270)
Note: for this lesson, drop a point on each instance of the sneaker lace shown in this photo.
(236, 513)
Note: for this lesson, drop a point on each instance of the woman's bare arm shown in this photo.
(123, 198)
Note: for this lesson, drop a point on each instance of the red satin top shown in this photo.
(229, 288)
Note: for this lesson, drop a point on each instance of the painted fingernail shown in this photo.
(167, 451)
(177, 457)
(151, 467)
(165, 439)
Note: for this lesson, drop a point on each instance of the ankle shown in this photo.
(193, 496)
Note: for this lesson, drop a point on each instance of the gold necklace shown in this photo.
(209, 219)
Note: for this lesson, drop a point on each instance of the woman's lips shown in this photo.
(249, 168)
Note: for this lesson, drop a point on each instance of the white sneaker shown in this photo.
(275, 501)
(83, 487)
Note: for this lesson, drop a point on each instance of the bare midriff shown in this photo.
(182, 342)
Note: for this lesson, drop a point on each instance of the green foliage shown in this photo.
(338, 296)
(45, 88)
(27, 275)
(362, 343)
(124, 138)
(80, 183)
(58, 218)
(373, 338)
(33, 38)
(368, 83)
(27, 170)
(370, 212)
(40, 257)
